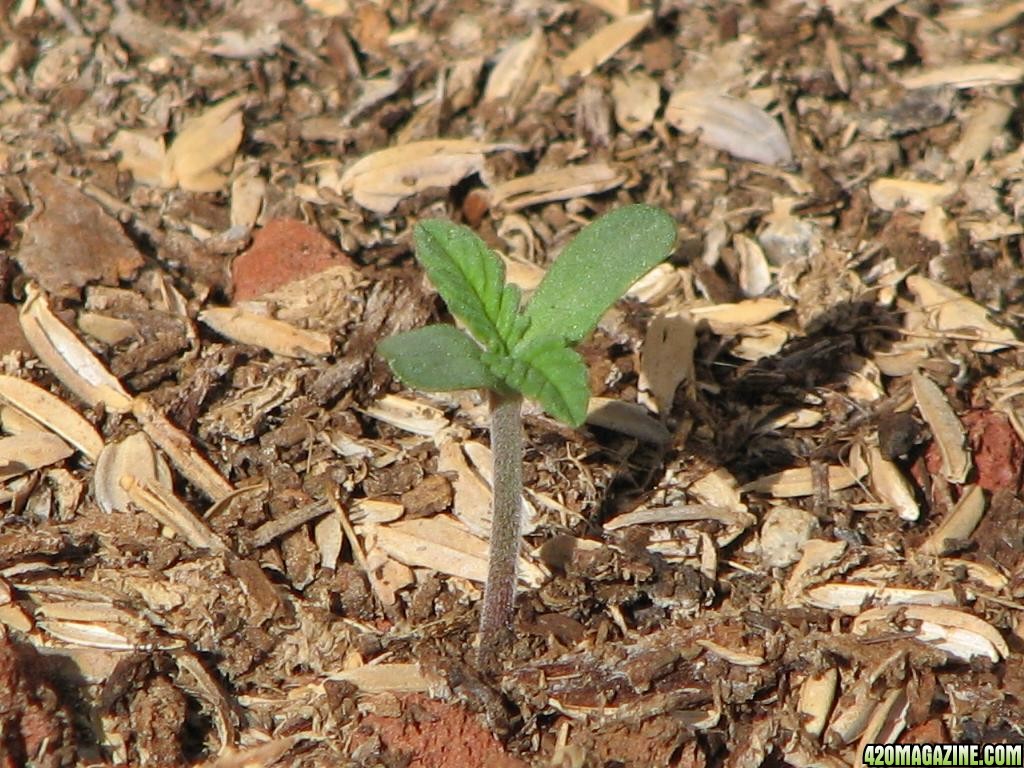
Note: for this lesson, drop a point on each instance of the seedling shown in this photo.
(514, 351)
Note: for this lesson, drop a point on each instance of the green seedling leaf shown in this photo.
(545, 369)
(437, 358)
(471, 280)
(596, 269)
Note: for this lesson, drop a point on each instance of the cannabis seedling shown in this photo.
(512, 351)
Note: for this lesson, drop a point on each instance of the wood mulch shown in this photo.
(792, 525)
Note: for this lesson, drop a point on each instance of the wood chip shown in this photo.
(952, 312)
(817, 695)
(414, 417)
(955, 631)
(851, 599)
(517, 71)
(442, 544)
(603, 44)
(67, 357)
(52, 412)
(204, 142)
(958, 525)
(892, 194)
(179, 449)
(739, 658)
(30, 451)
(134, 456)
(729, 124)
(637, 97)
(976, 75)
(627, 419)
(169, 511)
(891, 486)
(728, 319)
(666, 360)
(71, 241)
(984, 123)
(391, 678)
(800, 482)
(980, 20)
(276, 336)
(562, 184)
(946, 428)
(382, 179)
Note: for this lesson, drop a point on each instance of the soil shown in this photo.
(792, 524)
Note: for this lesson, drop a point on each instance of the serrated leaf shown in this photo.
(596, 269)
(437, 358)
(546, 370)
(470, 279)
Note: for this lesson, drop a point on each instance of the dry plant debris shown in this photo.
(792, 525)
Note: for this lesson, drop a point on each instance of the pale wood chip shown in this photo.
(891, 486)
(985, 122)
(109, 330)
(958, 525)
(203, 143)
(636, 96)
(30, 451)
(800, 482)
(731, 125)
(144, 156)
(666, 360)
(415, 417)
(976, 75)
(754, 277)
(67, 356)
(248, 193)
(99, 636)
(627, 419)
(953, 619)
(472, 503)
(852, 599)
(739, 658)
(375, 511)
(13, 616)
(614, 8)
(134, 456)
(276, 336)
(891, 194)
(603, 44)
(443, 544)
(329, 538)
(382, 179)
(561, 184)
(887, 722)
(733, 520)
(391, 678)
(949, 311)
(718, 488)
(517, 71)
(728, 319)
(979, 20)
(179, 449)
(955, 631)
(818, 556)
(946, 428)
(817, 695)
(53, 413)
(169, 511)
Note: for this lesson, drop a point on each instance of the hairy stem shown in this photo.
(500, 590)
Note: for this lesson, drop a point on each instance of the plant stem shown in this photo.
(500, 590)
